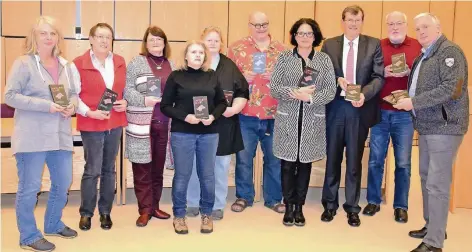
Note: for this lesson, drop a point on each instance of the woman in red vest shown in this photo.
(100, 78)
(147, 131)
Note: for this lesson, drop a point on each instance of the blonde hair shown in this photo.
(183, 65)
(31, 46)
(433, 17)
(210, 29)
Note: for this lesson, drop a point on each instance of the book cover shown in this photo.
(107, 100)
(153, 87)
(309, 76)
(59, 95)
(400, 94)
(399, 63)
(229, 97)
(200, 107)
(353, 92)
(259, 62)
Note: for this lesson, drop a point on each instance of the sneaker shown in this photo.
(67, 233)
(217, 214)
(180, 226)
(207, 224)
(40, 245)
(193, 211)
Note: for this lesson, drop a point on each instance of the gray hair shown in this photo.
(434, 18)
(397, 13)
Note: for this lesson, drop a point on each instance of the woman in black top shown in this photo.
(236, 90)
(303, 82)
(194, 100)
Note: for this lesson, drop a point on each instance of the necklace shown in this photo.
(158, 67)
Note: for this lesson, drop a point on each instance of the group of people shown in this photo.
(257, 92)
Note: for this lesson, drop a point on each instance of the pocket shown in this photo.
(444, 113)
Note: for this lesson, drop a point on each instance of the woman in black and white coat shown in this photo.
(300, 129)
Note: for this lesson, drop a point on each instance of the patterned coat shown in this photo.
(286, 75)
(138, 146)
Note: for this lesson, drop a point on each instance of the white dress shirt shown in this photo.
(108, 74)
(346, 47)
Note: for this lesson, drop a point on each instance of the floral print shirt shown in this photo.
(260, 104)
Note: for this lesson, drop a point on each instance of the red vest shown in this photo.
(92, 88)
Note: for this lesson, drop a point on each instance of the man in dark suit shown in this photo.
(357, 59)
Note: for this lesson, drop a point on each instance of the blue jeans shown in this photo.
(221, 184)
(254, 131)
(399, 126)
(185, 147)
(30, 170)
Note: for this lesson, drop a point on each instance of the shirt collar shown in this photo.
(426, 51)
(271, 44)
(355, 41)
(92, 55)
(310, 56)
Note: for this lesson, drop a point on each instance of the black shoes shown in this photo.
(353, 219)
(105, 221)
(289, 219)
(328, 215)
(401, 215)
(299, 218)
(423, 247)
(371, 209)
(420, 234)
(85, 223)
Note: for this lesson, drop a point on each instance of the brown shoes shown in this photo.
(207, 224)
(143, 220)
(160, 214)
(180, 226)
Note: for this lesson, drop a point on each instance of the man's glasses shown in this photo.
(259, 26)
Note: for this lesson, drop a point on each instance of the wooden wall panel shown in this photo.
(462, 34)
(18, 17)
(125, 11)
(293, 12)
(74, 48)
(444, 10)
(239, 13)
(198, 15)
(329, 16)
(127, 49)
(64, 13)
(177, 52)
(93, 12)
(410, 8)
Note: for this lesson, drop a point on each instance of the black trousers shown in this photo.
(295, 181)
(343, 129)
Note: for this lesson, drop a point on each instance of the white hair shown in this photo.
(396, 13)
(434, 18)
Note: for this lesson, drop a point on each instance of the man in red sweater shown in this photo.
(95, 72)
(395, 124)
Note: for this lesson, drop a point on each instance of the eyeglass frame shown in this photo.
(305, 34)
(102, 38)
(259, 26)
(397, 24)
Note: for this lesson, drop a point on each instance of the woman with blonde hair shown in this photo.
(193, 99)
(42, 132)
(147, 130)
(236, 89)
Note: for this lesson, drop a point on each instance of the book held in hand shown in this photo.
(229, 97)
(153, 87)
(390, 99)
(395, 96)
(353, 92)
(107, 100)
(259, 62)
(200, 107)
(59, 95)
(309, 77)
(399, 63)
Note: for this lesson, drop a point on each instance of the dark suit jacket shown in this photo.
(369, 73)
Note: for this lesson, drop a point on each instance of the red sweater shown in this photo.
(92, 88)
(412, 49)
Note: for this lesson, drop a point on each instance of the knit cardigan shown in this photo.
(138, 145)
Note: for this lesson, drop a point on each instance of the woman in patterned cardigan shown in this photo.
(303, 82)
(148, 129)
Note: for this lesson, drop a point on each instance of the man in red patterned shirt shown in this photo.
(255, 56)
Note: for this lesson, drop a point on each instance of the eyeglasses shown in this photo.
(259, 26)
(154, 40)
(306, 34)
(353, 21)
(101, 37)
(397, 24)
